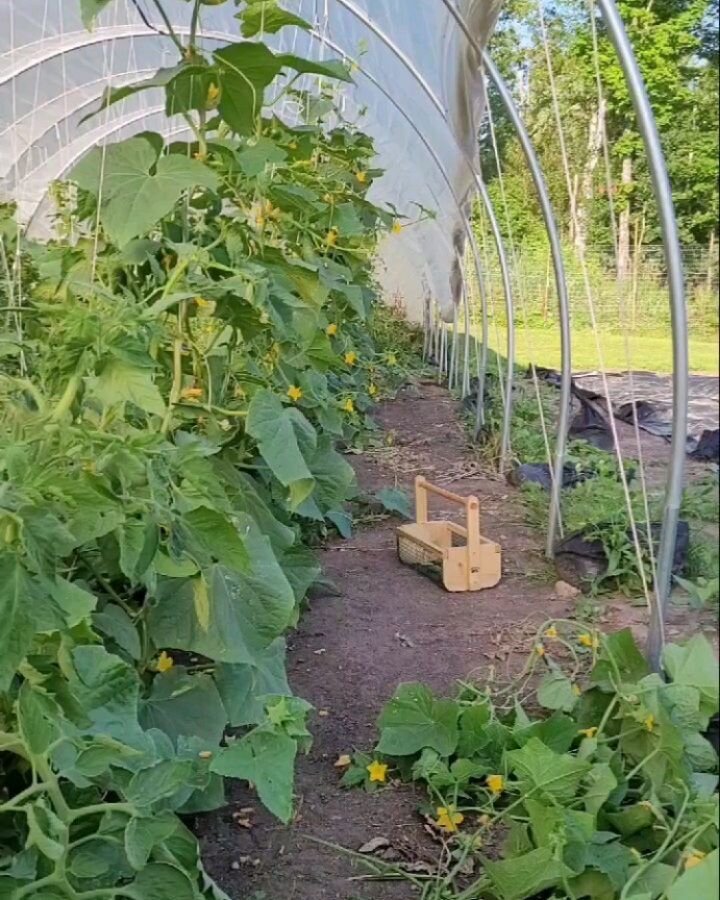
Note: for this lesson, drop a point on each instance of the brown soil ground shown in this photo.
(387, 624)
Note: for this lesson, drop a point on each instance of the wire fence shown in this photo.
(637, 302)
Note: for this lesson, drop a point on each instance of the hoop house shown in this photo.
(419, 71)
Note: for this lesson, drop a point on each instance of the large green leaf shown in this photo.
(700, 882)
(161, 79)
(38, 718)
(216, 537)
(414, 720)
(162, 881)
(107, 690)
(246, 611)
(263, 152)
(45, 537)
(527, 875)
(600, 782)
(243, 687)
(632, 819)
(301, 569)
(545, 774)
(335, 481)
(158, 782)
(246, 70)
(138, 540)
(554, 825)
(332, 68)
(185, 705)
(143, 833)
(121, 382)
(700, 753)
(266, 759)
(555, 691)
(271, 424)
(654, 882)
(116, 624)
(268, 17)
(45, 830)
(136, 189)
(695, 665)
(619, 655)
(20, 601)
(558, 732)
(74, 602)
(612, 859)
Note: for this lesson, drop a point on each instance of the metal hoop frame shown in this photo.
(663, 197)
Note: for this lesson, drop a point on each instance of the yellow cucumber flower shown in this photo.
(351, 358)
(694, 858)
(448, 818)
(378, 771)
(213, 96)
(191, 393)
(164, 662)
(591, 641)
(295, 393)
(496, 783)
(331, 330)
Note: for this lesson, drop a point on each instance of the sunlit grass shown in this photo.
(651, 353)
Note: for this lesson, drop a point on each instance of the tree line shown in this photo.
(573, 96)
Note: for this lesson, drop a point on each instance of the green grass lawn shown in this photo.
(647, 353)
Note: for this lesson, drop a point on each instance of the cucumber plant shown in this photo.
(179, 364)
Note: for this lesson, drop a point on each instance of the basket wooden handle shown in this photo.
(471, 504)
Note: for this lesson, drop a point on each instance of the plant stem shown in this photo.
(661, 851)
(52, 786)
(20, 798)
(96, 809)
(194, 22)
(176, 388)
(66, 401)
(168, 24)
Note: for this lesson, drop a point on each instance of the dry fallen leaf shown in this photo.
(379, 843)
(419, 868)
(343, 762)
(565, 591)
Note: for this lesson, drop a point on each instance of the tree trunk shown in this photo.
(711, 262)
(640, 228)
(586, 191)
(624, 222)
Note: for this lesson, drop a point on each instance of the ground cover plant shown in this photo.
(594, 502)
(179, 366)
(587, 776)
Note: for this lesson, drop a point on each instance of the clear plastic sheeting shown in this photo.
(53, 72)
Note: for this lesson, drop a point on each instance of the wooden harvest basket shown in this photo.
(469, 561)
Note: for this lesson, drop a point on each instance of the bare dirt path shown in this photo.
(387, 624)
